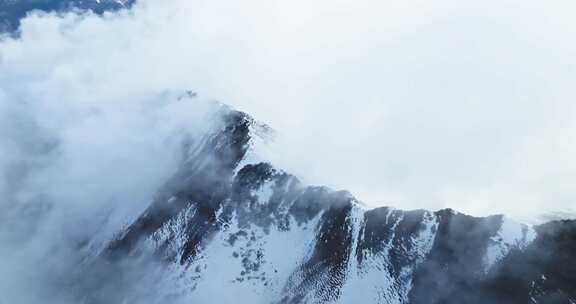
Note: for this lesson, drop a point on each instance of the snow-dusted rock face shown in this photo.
(229, 228)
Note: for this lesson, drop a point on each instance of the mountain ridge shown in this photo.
(260, 233)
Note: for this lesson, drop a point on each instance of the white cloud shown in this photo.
(416, 104)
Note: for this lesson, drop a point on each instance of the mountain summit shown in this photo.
(230, 228)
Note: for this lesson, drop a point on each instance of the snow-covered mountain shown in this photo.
(230, 227)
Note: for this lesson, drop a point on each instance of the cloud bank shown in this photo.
(415, 105)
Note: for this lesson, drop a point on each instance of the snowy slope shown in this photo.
(231, 228)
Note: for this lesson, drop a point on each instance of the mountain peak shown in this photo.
(229, 220)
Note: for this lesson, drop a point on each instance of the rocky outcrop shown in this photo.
(231, 228)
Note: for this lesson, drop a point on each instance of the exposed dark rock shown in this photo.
(451, 270)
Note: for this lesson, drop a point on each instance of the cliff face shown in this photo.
(230, 228)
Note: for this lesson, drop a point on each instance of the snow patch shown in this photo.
(511, 235)
(238, 263)
(372, 282)
(264, 192)
(258, 147)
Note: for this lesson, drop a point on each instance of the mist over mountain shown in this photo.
(230, 227)
(116, 188)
